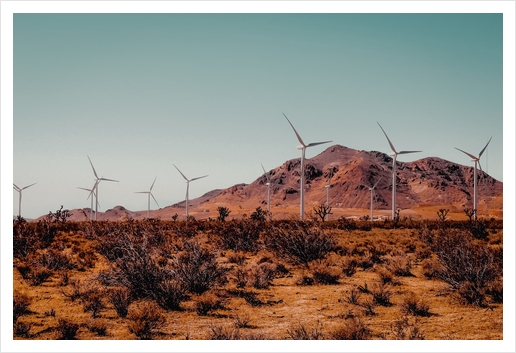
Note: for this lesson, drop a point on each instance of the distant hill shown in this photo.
(428, 182)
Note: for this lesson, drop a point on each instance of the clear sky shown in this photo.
(139, 92)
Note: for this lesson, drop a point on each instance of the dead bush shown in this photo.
(386, 276)
(240, 277)
(324, 272)
(305, 279)
(22, 329)
(302, 332)
(93, 303)
(208, 302)
(169, 294)
(381, 294)
(349, 266)
(353, 329)
(262, 275)
(121, 299)
(66, 330)
(238, 235)
(97, 327)
(353, 296)
(300, 243)
(145, 320)
(404, 328)
(219, 332)
(197, 267)
(242, 321)
(21, 303)
(400, 265)
(236, 257)
(412, 304)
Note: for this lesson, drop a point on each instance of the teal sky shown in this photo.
(138, 92)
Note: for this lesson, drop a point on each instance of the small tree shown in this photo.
(223, 213)
(322, 211)
(469, 213)
(441, 214)
(259, 214)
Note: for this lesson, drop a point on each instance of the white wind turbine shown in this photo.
(476, 160)
(303, 148)
(90, 195)
(96, 187)
(395, 154)
(149, 194)
(17, 188)
(188, 185)
(371, 190)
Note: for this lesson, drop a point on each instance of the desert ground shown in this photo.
(252, 278)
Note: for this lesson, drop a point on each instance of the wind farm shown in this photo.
(361, 235)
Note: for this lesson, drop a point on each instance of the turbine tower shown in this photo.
(188, 185)
(395, 155)
(149, 194)
(371, 190)
(268, 183)
(96, 187)
(17, 188)
(327, 187)
(303, 148)
(90, 191)
(476, 160)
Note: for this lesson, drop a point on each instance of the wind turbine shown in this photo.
(90, 191)
(96, 187)
(395, 154)
(268, 183)
(476, 160)
(17, 188)
(188, 185)
(149, 194)
(371, 190)
(303, 148)
(327, 187)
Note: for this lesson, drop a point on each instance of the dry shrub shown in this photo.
(21, 303)
(381, 294)
(241, 235)
(78, 290)
(54, 259)
(368, 306)
(22, 329)
(169, 294)
(93, 302)
(301, 332)
(324, 272)
(353, 296)
(431, 268)
(208, 302)
(354, 329)
(121, 299)
(66, 330)
(300, 242)
(145, 321)
(400, 265)
(304, 279)
(97, 327)
(197, 268)
(240, 277)
(242, 321)
(262, 275)
(349, 265)
(34, 274)
(236, 257)
(404, 328)
(412, 304)
(386, 276)
(219, 332)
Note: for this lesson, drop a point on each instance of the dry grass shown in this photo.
(268, 305)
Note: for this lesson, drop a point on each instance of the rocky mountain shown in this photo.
(430, 183)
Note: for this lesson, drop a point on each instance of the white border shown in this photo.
(10, 7)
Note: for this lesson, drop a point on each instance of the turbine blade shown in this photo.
(28, 186)
(293, 128)
(154, 199)
(16, 187)
(405, 152)
(472, 156)
(265, 173)
(376, 183)
(142, 192)
(479, 165)
(109, 179)
(204, 176)
(317, 143)
(153, 183)
(94, 171)
(180, 172)
(390, 143)
(480, 155)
